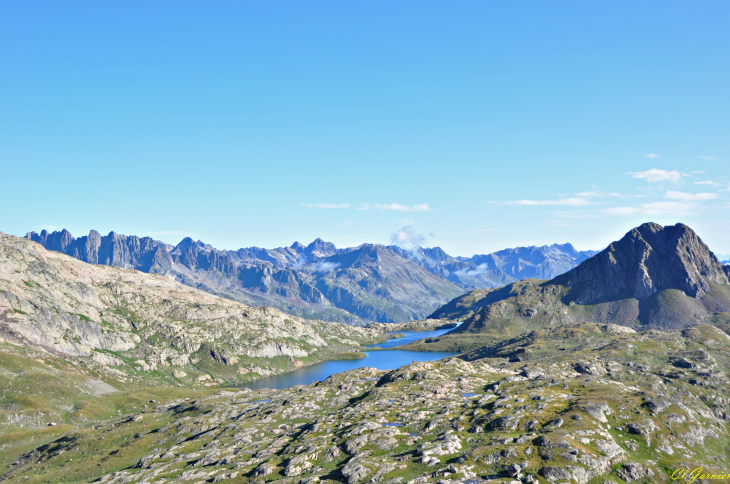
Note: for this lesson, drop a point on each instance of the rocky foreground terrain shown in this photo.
(356, 285)
(654, 277)
(580, 403)
(148, 329)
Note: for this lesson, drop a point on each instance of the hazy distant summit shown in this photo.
(356, 285)
(502, 267)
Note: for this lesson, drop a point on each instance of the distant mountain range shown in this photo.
(356, 285)
(499, 268)
(655, 277)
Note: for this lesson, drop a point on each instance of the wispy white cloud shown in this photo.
(652, 155)
(656, 208)
(477, 271)
(407, 238)
(708, 182)
(711, 158)
(691, 197)
(656, 175)
(592, 194)
(680, 203)
(327, 205)
(669, 208)
(363, 206)
(568, 202)
(622, 210)
(403, 208)
(620, 195)
(324, 266)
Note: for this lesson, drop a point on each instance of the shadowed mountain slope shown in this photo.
(647, 260)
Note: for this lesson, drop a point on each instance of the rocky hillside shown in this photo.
(357, 285)
(585, 403)
(149, 328)
(654, 277)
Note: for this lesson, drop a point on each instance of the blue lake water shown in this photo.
(381, 359)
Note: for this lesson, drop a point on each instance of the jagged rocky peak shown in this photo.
(115, 249)
(566, 249)
(319, 248)
(57, 241)
(648, 259)
(435, 253)
(188, 243)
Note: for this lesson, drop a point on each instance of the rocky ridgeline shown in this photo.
(147, 326)
(586, 403)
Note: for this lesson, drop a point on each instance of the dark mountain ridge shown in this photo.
(144, 254)
(648, 259)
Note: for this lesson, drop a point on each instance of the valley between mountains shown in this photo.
(121, 363)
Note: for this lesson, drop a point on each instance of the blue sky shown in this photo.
(469, 125)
